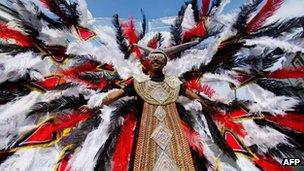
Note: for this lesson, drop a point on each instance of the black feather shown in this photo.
(14, 49)
(280, 88)
(243, 16)
(270, 59)
(143, 26)
(66, 11)
(185, 115)
(176, 29)
(64, 102)
(276, 29)
(52, 23)
(120, 40)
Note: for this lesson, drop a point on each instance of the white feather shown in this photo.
(12, 117)
(16, 67)
(274, 43)
(264, 137)
(36, 159)
(188, 20)
(245, 164)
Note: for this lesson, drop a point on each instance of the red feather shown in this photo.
(194, 139)
(68, 121)
(269, 164)
(289, 72)
(73, 74)
(153, 42)
(45, 133)
(129, 33)
(73, 71)
(121, 156)
(197, 31)
(229, 122)
(7, 33)
(205, 7)
(260, 18)
(293, 121)
(194, 84)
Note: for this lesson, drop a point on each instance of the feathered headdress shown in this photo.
(169, 51)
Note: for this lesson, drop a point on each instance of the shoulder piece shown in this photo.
(173, 81)
(140, 78)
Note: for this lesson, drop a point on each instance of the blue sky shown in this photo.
(152, 8)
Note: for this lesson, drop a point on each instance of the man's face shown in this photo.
(157, 61)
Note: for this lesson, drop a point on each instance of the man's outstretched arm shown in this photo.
(108, 99)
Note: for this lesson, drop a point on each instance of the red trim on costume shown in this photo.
(239, 113)
(85, 33)
(58, 53)
(45, 133)
(233, 142)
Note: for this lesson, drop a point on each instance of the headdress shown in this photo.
(170, 50)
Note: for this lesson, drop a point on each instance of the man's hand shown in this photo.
(85, 109)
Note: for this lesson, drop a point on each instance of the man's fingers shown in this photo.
(84, 109)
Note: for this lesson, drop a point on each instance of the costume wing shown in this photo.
(50, 66)
(259, 113)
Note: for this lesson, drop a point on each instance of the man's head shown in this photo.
(157, 60)
(158, 57)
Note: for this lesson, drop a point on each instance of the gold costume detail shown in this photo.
(162, 144)
(157, 93)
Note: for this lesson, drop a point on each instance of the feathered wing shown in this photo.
(259, 123)
(50, 66)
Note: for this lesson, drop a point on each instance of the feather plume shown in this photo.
(267, 10)
(156, 41)
(143, 26)
(20, 39)
(120, 40)
(205, 7)
(243, 16)
(289, 72)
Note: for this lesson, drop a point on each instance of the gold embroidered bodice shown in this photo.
(162, 144)
(157, 93)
